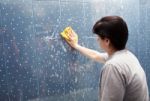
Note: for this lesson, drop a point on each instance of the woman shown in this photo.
(122, 77)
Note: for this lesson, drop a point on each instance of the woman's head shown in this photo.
(113, 28)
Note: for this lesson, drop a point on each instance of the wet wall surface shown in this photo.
(36, 64)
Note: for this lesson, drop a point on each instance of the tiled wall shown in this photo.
(36, 64)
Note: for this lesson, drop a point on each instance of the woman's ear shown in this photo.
(107, 41)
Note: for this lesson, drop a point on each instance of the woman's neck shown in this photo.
(111, 51)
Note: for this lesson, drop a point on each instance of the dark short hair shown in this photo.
(114, 28)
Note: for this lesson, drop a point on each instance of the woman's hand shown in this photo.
(72, 39)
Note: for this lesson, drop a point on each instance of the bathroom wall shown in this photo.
(36, 64)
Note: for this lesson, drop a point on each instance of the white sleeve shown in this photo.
(112, 87)
(104, 56)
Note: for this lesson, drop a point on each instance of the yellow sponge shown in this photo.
(68, 32)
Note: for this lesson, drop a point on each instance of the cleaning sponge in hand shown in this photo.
(68, 32)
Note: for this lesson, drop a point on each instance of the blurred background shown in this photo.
(36, 64)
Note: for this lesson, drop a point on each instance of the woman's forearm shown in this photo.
(92, 54)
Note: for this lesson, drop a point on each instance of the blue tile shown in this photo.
(19, 62)
(72, 15)
(17, 20)
(72, 1)
(46, 17)
(3, 77)
(4, 95)
(23, 91)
